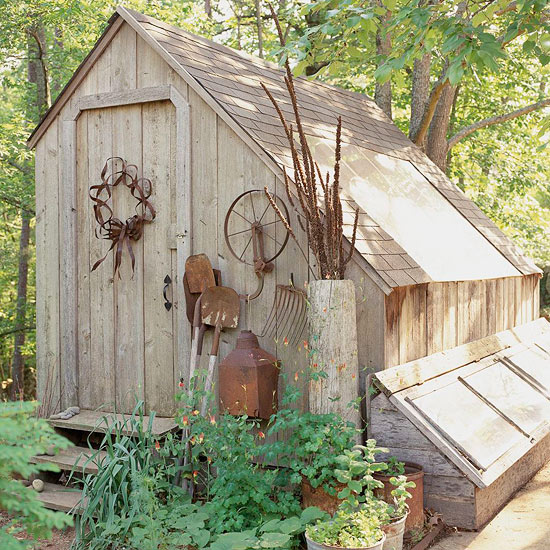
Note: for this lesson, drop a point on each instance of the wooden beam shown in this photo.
(126, 97)
(68, 269)
(417, 372)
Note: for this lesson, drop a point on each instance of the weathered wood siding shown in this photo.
(424, 319)
(126, 342)
(446, 489)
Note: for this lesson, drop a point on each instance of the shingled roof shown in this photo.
(232, 78)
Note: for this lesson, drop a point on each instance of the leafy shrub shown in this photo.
(308, 444)
(347, 530)
(22, 436)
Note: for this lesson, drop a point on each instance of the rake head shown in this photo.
(288, 316)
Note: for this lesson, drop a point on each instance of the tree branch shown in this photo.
(498, 119)
(16, 204)
(23, 169)
(429, 111)
(15, 330)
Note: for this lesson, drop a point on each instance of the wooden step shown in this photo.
(97, 421)
(59, 497)
(67, 458)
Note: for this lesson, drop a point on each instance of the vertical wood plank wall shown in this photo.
(222, 168)
(424, 319)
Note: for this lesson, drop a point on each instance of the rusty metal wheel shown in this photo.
(250, 210)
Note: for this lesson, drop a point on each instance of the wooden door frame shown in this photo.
(68, 217)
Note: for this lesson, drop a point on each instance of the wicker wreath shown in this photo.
(121, 233)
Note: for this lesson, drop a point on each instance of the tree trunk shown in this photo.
(383, 92)
(420, 94)
(333, 345)
(436, 143)
(259, 29)
(208, 8)
(37, 74)
(18, 363)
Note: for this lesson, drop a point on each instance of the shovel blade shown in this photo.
(200, 274)
(220, 306)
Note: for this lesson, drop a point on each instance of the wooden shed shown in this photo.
(476, 417)
(431, 270)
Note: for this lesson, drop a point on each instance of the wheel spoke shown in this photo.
(253, 209)
(247, 245)
(245, 219)
(273, 239)
(263, 213)
(270, 223)
(240, 232)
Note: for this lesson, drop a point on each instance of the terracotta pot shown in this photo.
(311, 545)
(394, 534)
(415, 473)
(312, 496)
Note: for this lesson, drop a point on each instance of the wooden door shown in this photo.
(126, 335)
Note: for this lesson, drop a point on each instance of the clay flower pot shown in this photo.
(317, 496)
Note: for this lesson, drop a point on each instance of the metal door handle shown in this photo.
(167, 302)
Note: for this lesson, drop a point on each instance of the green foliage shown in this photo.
(132, 481)
(355, 529)
(395, 467)
(355, 469)
(22, 436)
(307, 444)
(133, 502)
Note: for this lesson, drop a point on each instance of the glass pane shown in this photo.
(415, 214)
(524, 405)
(480, 431)
(535, 363)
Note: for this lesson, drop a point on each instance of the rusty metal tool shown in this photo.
(200, 276)
(220, 308)
(251, 220)
(288, 316)
(192, 297)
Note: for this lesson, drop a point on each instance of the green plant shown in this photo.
(131, 471)
(242, 493)
(400, 495)
(395, 468)
(355, 469)
(347, 530)
(308, 444)
(22, 436)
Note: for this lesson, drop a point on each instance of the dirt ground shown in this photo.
(61, 540)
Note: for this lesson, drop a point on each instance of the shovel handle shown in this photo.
(211, 365)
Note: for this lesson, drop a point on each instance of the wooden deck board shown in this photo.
(59, 497)
(97, 421)
(67, 459)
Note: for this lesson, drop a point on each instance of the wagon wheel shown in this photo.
(254, 233)
(253, 210)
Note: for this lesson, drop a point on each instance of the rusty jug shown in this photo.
(248, 379)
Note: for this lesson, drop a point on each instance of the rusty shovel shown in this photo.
(199, 276)
(220, 308)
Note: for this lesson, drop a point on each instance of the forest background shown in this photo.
(466, 80)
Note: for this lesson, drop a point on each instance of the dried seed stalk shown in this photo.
(323, 215)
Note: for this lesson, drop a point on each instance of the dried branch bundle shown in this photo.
(322, 213)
